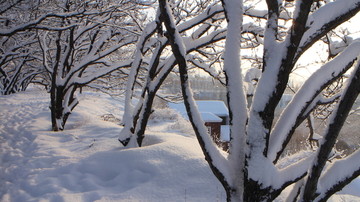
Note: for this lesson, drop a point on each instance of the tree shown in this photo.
(250, 171)
(17, 64)
(202, 33)
(18, 61)
(85, 47)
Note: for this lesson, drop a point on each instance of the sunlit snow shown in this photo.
(85, 162)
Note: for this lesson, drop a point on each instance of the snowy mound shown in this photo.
(85, 162)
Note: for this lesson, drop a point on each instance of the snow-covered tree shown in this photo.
(84, 47)
(252, 170)
(17, 65)
(200, 24)
(18, 50)
(153, 60)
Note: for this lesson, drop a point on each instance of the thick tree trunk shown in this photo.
(59, 115)
(253, 190)
(233, 195)
(55, 91)
(57, 108)
(144, 117)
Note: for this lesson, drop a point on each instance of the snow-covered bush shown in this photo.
(176, 121)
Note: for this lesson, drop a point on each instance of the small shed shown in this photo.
(216, 107)
(214, 113)
(213, 124)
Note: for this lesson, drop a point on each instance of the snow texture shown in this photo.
(236, 95)
(216, 107)
(85, 162)
(337, 171)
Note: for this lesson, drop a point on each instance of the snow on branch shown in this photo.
(210, 12)
(294, 113)
(251, 11)
(95, 56)
(234, 83)
(191, 45)
(339, 174)
(35, 23)
(290, 174)
(326, 18)
(329, 139)
(135, 66)
(206, 66)
(166, 66)
(8, 7)
(212, 154)
(97, 73)
(45, 51)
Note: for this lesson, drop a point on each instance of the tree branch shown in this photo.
(330, 136)
(296, 110)
(210, 151)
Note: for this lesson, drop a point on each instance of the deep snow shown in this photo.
(85, 162)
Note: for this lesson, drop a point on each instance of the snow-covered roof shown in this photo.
(216, 107)
(210, 117)
(206, 116)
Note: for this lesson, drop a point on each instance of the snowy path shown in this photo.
(85, 162)
(38, 163)
(17, 145)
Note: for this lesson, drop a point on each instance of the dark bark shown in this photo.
(54, 88)
(149, 99)
(302, 115)
(287, 64)
(58, 92)
(151, 94)
(140, 134)
(57, 109)
(339, 186)
(331, 135)
(181, 61)
(254, 192)
(57, 104)
(326, 29)
(19, 79)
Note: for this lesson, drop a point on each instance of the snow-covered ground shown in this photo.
(85, 162)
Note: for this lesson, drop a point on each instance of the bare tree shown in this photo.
(84, 48)
(251, 170)
(202, 34)
(17, 64)
(18, 48)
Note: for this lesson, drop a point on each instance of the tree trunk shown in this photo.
(56, 108)
(58, 114)
(232, 195)
(144, 117)
(253, 191)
